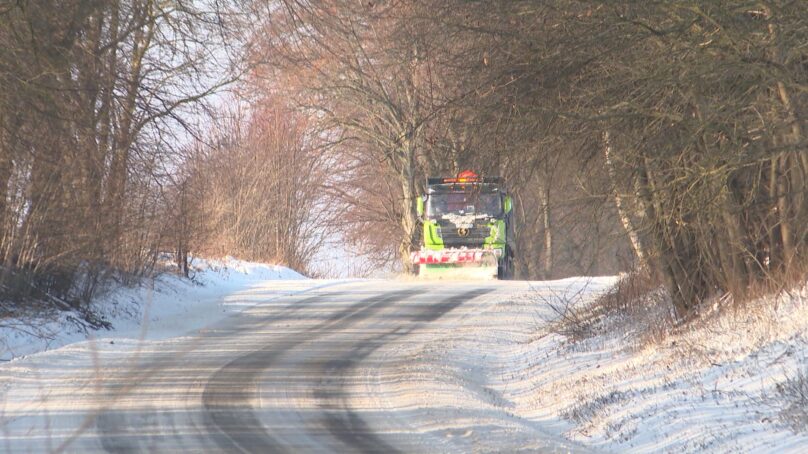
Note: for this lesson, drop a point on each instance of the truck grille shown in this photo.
(476, 235)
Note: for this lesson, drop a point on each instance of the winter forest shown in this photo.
(663, 138)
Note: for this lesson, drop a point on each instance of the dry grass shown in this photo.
(793, 398)
(637, 307)
(585, 410)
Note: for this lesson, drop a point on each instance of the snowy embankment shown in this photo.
(164, 307)
(734, 383)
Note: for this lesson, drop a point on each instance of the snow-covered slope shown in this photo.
(163, 307)
(720, 386)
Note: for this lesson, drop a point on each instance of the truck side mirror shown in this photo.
(419, 205)
(508, 205)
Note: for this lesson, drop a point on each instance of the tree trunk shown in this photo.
(625, 218)
(409, 216)
(790, 179)
(544, 194)
(6, 170)
(126, 131)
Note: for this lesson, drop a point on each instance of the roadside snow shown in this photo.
(164, 307)
(716, 387)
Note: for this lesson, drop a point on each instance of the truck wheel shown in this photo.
(505, 269)
(502, 269)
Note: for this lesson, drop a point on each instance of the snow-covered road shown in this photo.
(354, 366)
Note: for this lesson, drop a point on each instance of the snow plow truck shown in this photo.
(467, 231)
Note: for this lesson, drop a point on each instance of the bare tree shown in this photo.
(256, 193)
(93, 94)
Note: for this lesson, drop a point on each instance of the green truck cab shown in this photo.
(467, 228)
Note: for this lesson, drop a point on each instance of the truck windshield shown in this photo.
(463, 203)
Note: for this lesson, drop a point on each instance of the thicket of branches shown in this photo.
(252, 190)
(660, 135)
(93, 97)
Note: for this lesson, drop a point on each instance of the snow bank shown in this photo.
(721, 385)
(164, 307)
(715, 386)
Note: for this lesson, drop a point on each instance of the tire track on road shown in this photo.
(340, 419)
(118, 430)
(229, 394)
